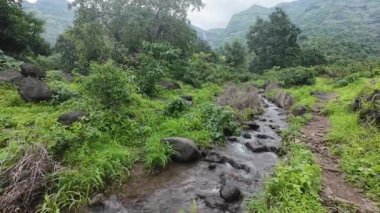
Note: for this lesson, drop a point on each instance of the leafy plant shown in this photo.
(109, 84)
(176, 107)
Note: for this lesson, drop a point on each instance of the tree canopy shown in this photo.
(274, 42)
(103, 28)
(20, 31)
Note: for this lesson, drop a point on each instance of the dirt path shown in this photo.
(338, 195)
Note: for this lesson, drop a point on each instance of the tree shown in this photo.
(312, 57)
(274, 42)
(235, 54)
(131, 22)
(20, 31)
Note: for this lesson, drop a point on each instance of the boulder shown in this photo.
(30, 70)
(33, 90)
(185, 149)
(299, 110)
(71, 117)
(170, 85)
(230, 193)
(11, 76)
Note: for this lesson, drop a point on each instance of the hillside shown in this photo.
(56, 15)
(354, 22)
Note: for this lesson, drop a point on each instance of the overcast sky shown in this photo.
(217, 13)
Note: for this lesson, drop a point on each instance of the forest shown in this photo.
(132, 111)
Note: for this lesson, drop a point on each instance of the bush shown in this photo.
(61, 92)
(347, 80)
(297, 76)
(109, 84)
(216, 120)
(176, 107)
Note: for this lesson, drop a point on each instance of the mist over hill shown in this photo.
(353, 23)
(56, 15)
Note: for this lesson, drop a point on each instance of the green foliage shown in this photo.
(157, 154)
(20, 31)
(235, 54)
(176, 107)
(274, 42)
(110, 85)
(297, 76)
(7, 62)
(312, 57)
(154, 62)
(295, 186)
(216, 120)
(341, 30)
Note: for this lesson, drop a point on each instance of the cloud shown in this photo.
(217, 13)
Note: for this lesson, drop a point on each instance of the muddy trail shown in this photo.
(219, 182)
(338, 195)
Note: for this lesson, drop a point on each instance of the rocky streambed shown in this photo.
(219, 182)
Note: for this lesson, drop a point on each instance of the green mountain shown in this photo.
(56, 15)
(354, 23)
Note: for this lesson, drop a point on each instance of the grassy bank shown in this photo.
(296, 182)
(102, 148)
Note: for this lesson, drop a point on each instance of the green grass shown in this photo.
(357, 145)
(294, 187)
(296, 183)
(101, 150)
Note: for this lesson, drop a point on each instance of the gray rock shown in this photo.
(11, 76)
(71, 117)
(33, 90)
(186, 150)
(30, 70)
(230, 193)
(299, 110)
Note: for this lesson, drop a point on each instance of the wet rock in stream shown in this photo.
(185, 149)
(230, 193)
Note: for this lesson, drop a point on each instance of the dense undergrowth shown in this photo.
(122, 126)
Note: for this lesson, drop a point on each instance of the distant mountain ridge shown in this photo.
(56, 15)
(356, 21)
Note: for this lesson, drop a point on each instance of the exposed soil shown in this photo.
(338, 195)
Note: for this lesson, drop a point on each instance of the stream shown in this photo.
(239, 168)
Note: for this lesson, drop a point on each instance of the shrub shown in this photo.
(297, 76)
(109, 84)
(347, 80)
(149, 72)
(176, 107)
(62, 92)
(216, 119)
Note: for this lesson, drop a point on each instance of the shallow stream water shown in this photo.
(243, 162)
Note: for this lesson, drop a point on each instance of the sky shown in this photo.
(217, 13)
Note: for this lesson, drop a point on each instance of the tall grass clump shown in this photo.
(242, 98)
